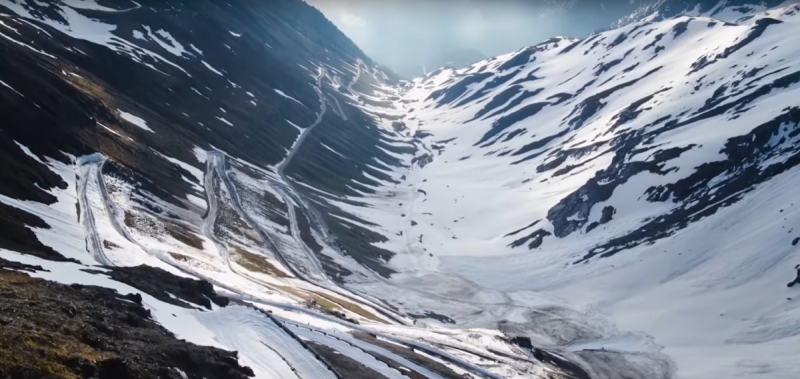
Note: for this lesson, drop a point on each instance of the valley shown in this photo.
(621, 205)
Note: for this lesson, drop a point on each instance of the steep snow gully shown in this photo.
(622, 205)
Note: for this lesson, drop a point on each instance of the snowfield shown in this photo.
(568, 175)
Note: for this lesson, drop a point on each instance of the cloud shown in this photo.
(350, 21)
(472, 25)
(406, 34)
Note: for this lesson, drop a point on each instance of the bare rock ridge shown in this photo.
(77, 331)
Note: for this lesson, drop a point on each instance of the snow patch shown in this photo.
(279, 92)
(141, 123)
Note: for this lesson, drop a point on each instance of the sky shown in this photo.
(406, 35)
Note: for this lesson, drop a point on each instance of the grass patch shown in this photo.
(43, 353)
(180, 257)
(129, 219)
(110, 245)
(256, 263)
(89, 87)
(192, 261)
(186, 237)
(35, 347)
(305, 231)
(352, 307)
(330, 304)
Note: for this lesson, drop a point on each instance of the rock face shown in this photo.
(58, 331)
(149, 87)
(169, 288)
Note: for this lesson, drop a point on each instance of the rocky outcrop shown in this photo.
(52, 330)
(168, 287)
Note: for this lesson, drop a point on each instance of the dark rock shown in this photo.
(796, 279)
(451, 93)
(755, 31)
(743, 154)
(15, 232)
(508, 120)
(435, 316)
(520, 59)
(524, 342)
(536, 238)
(6, 264)
(161, 284)
(106, 325)
(680, 28)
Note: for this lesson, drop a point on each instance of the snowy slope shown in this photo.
(724, 10)
(635, 185)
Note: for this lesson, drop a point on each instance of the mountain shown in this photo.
(725, 10)
(230, 190)
(456, 58)
(641, 175)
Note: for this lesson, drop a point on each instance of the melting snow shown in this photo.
(279, 92)
(193, 47)
(10, 27)
(134, 120)
(27, 46)
(112, 131)
(166, 41)
(214, 70)
(90, 5)
(224, 120)
(85, 28)
(2, 83)
(139, 35)
(295, 125)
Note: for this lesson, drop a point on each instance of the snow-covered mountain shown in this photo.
(617, 206)
(724, 10)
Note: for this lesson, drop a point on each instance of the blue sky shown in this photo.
(409, 33)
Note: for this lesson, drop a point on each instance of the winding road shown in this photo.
(90, 166)
(288, 191)
(315, 273)
(355, 78)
